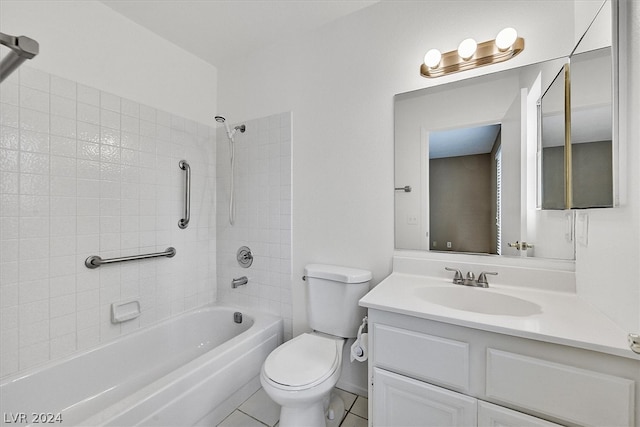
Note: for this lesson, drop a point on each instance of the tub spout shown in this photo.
(239, 281)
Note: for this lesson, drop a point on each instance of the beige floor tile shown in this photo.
(347, 397)
(360, 408)
(353, 421)
(261, 407)
(238, 419)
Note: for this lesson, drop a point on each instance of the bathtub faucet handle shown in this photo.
(244, 257)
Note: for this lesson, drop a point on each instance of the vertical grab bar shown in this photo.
(184, 222)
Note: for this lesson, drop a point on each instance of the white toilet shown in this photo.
(300, 374)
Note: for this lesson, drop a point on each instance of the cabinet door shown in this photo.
(404, 401)
(490, 415)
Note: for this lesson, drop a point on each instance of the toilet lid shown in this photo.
(303, 361)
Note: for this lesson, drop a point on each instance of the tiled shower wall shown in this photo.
(84, 172)
(263, 216)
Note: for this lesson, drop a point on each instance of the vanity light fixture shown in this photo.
(432, 58)
(467, 48)
(471, 55)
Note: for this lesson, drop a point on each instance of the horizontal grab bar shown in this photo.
(95, 261)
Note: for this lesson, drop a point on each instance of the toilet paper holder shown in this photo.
(359, 349)
(364, 328)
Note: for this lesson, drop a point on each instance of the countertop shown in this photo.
(561, 317)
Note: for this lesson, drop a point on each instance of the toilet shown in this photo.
(300, 374)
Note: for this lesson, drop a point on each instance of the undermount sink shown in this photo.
(478, 300)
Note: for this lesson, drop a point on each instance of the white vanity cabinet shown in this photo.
(404, 401)
(429, 373)
(498, 416)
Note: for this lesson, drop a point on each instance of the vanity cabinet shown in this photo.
(428, 373)
(404, 401)
(494, 415)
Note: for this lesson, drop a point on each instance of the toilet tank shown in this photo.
(332, 300)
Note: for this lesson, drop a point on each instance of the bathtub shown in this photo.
(193, 369)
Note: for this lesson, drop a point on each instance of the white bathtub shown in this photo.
(193, 369)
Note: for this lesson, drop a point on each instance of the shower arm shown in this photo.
(22, 48)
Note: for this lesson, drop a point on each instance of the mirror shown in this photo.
(552, 132)
(479, 195)
(591, 129)
(465, 168)
(576, 127)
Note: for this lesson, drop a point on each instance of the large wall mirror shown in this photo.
(467, 158)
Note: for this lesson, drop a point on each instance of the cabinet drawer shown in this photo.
(558, 390)
(426, 357)
(494, 415)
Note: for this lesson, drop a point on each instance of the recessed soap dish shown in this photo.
(125, 310)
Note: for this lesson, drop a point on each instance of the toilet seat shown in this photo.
(303, 362)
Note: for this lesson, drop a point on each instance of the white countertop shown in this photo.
(562, 318)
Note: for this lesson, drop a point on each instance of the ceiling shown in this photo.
(463, 141)
(219, 30)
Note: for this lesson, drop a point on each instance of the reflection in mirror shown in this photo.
(576, 150)
(465, 162)
(456, 205)
(592, 129)
(552, 144)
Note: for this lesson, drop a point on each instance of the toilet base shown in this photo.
(309, 415)
(336, 411)
(325, 413)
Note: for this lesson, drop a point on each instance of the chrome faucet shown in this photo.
(239, 281)
(470, 279)
(457, 278)
(482, 279)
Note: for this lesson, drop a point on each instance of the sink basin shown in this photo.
(478, 300)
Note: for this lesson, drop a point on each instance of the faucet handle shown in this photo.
(457, 278)
(482, 279)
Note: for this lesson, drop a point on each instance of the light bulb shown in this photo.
(467, 48)
(506, 38)
(432, 58)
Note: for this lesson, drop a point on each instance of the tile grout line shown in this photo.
(252, 417)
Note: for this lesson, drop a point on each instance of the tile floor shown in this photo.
(259, 411)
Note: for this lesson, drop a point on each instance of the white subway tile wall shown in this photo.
(85, 172)
(263, 216)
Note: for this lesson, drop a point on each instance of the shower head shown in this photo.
(230, 132)
(21, 49)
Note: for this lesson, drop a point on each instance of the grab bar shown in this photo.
(96, 261)
(184, 222)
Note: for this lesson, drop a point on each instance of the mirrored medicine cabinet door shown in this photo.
(577, 144)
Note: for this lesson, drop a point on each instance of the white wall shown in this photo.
(340, 81)
(92, 132)
(87, 42)
(608, 267)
